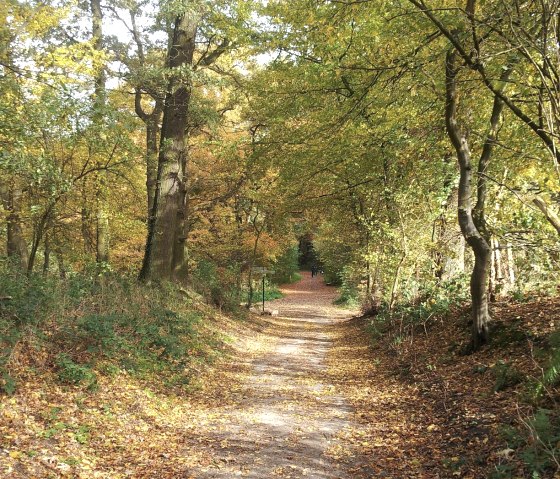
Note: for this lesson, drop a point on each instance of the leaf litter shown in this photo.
(301, 395)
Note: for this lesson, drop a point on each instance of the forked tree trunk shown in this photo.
(395, 285)
(473, 237)
(152, 136)
(166, 223)
(151, 121)
(510, 265)
(86, 221)
(258, 231)
(499, 279)
(40, 229)
(47, 257)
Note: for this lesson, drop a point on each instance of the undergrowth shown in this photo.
(534, 437)
(424, 304)
(271, 292)
(88, 325)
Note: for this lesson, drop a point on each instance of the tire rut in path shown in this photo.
(288, 421)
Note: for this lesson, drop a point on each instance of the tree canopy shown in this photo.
(187, 133)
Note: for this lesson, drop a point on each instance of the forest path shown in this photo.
(289, 421)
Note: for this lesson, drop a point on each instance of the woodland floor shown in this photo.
(291, 421)
(303, 395)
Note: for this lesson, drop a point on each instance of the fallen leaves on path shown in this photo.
(301, 395)
(425, 409)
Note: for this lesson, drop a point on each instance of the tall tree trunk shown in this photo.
(47, 256)
(16, 245)
(510, 265)
(166, 223)
(369, 301)
(395, 286)
(258, 232)
(57, 248)
(152, 136)
(499, 268)
(100, 98)
(86, 222)
(39, 230)
(492, 284)
(479, 217)
(449, 259)
(151, 120)
(477, 242)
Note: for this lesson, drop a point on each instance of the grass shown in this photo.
(271, 292)
(86, 326)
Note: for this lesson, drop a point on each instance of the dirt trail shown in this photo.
(289, 419)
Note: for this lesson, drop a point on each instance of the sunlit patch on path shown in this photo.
(289, 420)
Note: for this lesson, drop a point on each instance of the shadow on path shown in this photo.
(289, 418)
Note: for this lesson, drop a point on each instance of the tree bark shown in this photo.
(166, 223)
(550, 215)
(510, 265)
(499, 268)
(496, 88)
(47, 257)
(16, 245)
(473, 237)
(100, 96)
(449, 258)
(151, 121)
(39, 231)
(395, 286)
(479, 217)
(86, 221)
(258, 231)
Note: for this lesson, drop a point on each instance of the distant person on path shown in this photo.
(313, 271)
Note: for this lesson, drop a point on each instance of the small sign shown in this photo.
(261, 270)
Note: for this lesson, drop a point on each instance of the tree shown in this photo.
(519, 37)
(472, 221)
(99, 103)
(165, 243)
(165, 254)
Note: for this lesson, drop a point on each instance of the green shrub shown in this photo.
(98, 330)
(27, 301)
(434, 300)
(551, 375)
(506, 376)
(348, 292)
(271, 292)
(542, 436)
(7, 383)
(535, 442)
(348, 296)
(219, 285)
(376, 327)
(70, 372)
(286, 267)
(166, 331)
